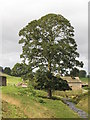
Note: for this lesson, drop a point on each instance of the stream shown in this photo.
(71, 105)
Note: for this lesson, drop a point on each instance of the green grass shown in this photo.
(86, 88)
(33, 103)
(83, 104)
(13, 80)
(85, 80)
(11, 111)
(69, 94)
(37, 104)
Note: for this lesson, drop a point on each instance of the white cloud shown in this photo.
(10, 59)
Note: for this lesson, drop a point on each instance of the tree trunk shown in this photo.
(49, 66)
(49, 93)
(49, 90)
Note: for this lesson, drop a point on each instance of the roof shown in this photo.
(2, 76)
(70, 79)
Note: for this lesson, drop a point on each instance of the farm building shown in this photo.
(3, 81)
(74, 83)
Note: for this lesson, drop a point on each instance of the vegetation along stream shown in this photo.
(71, 105)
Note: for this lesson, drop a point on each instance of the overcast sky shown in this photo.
(17, 13)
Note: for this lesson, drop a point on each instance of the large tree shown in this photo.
(48, 43)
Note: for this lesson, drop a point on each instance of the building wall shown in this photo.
(2, 81)
(75, 86)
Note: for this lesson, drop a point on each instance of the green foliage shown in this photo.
(31, 88)
(82, 73)
(1, 69)
(47, 80)
(78, 73)
(69, 94)
(48, 43)
(75, 72)
(7, 70)
(41, 101)
(19, 69)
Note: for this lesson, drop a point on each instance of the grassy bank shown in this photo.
(83, 103)
(10, 111)
(35, 104)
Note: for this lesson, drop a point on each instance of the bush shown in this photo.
(41, 101)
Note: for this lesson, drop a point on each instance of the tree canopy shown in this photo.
(48, 43)
(74, 72)
(7, 70)
(82, 73)
(19, 69)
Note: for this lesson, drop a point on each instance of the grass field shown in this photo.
(85, 80)
(18, 102)
(21, 102)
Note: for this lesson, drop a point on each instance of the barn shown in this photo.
(3, 81)
(74, 83)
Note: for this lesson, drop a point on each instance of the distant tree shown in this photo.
(1, 69)
(19, 69)
(48, 44)
(82, 73)
(74, 72)
(88, 76)
(7, 70)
